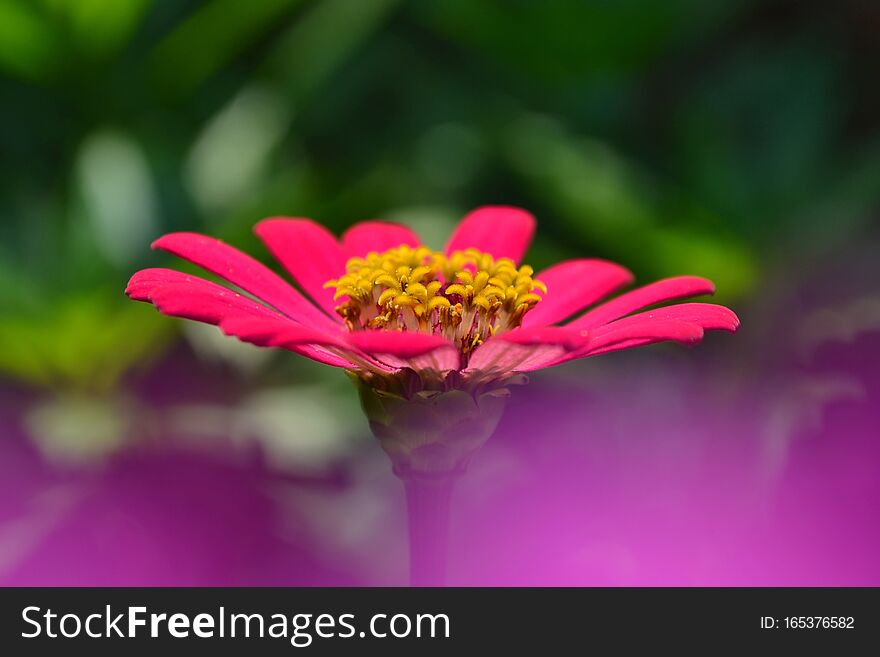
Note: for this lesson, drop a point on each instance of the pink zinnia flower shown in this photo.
(380, 304)
(431, 338)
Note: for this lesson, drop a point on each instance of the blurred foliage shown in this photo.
(676, 137)
(78, 342)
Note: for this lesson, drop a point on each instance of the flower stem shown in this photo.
(427, 504)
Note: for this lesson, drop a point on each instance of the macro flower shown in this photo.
(431, 337)
(377, 301)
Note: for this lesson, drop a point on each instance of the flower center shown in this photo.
(466, 296)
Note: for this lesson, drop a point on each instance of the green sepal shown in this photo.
(430, 432)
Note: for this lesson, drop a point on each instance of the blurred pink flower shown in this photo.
(377, 302)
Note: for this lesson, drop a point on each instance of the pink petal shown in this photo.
(503, 231)
(146, 280)
(710, 316)
(527, 349)
(247, 273)
(619, 335)
(367, 236)
(309, 252)
(547, 335)
(614, 337)
(499, 357)
(191, 297)
(403, 344)
(641, 329)
(574, 285)
(282, 333)
(684, 322)
(442, 359)
(617, 346)
(278, 332)
(399, 349)
(669, 289)
(376, 350)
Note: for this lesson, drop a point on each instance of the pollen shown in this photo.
(466, 296)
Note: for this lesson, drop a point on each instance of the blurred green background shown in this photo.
(736, 140)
